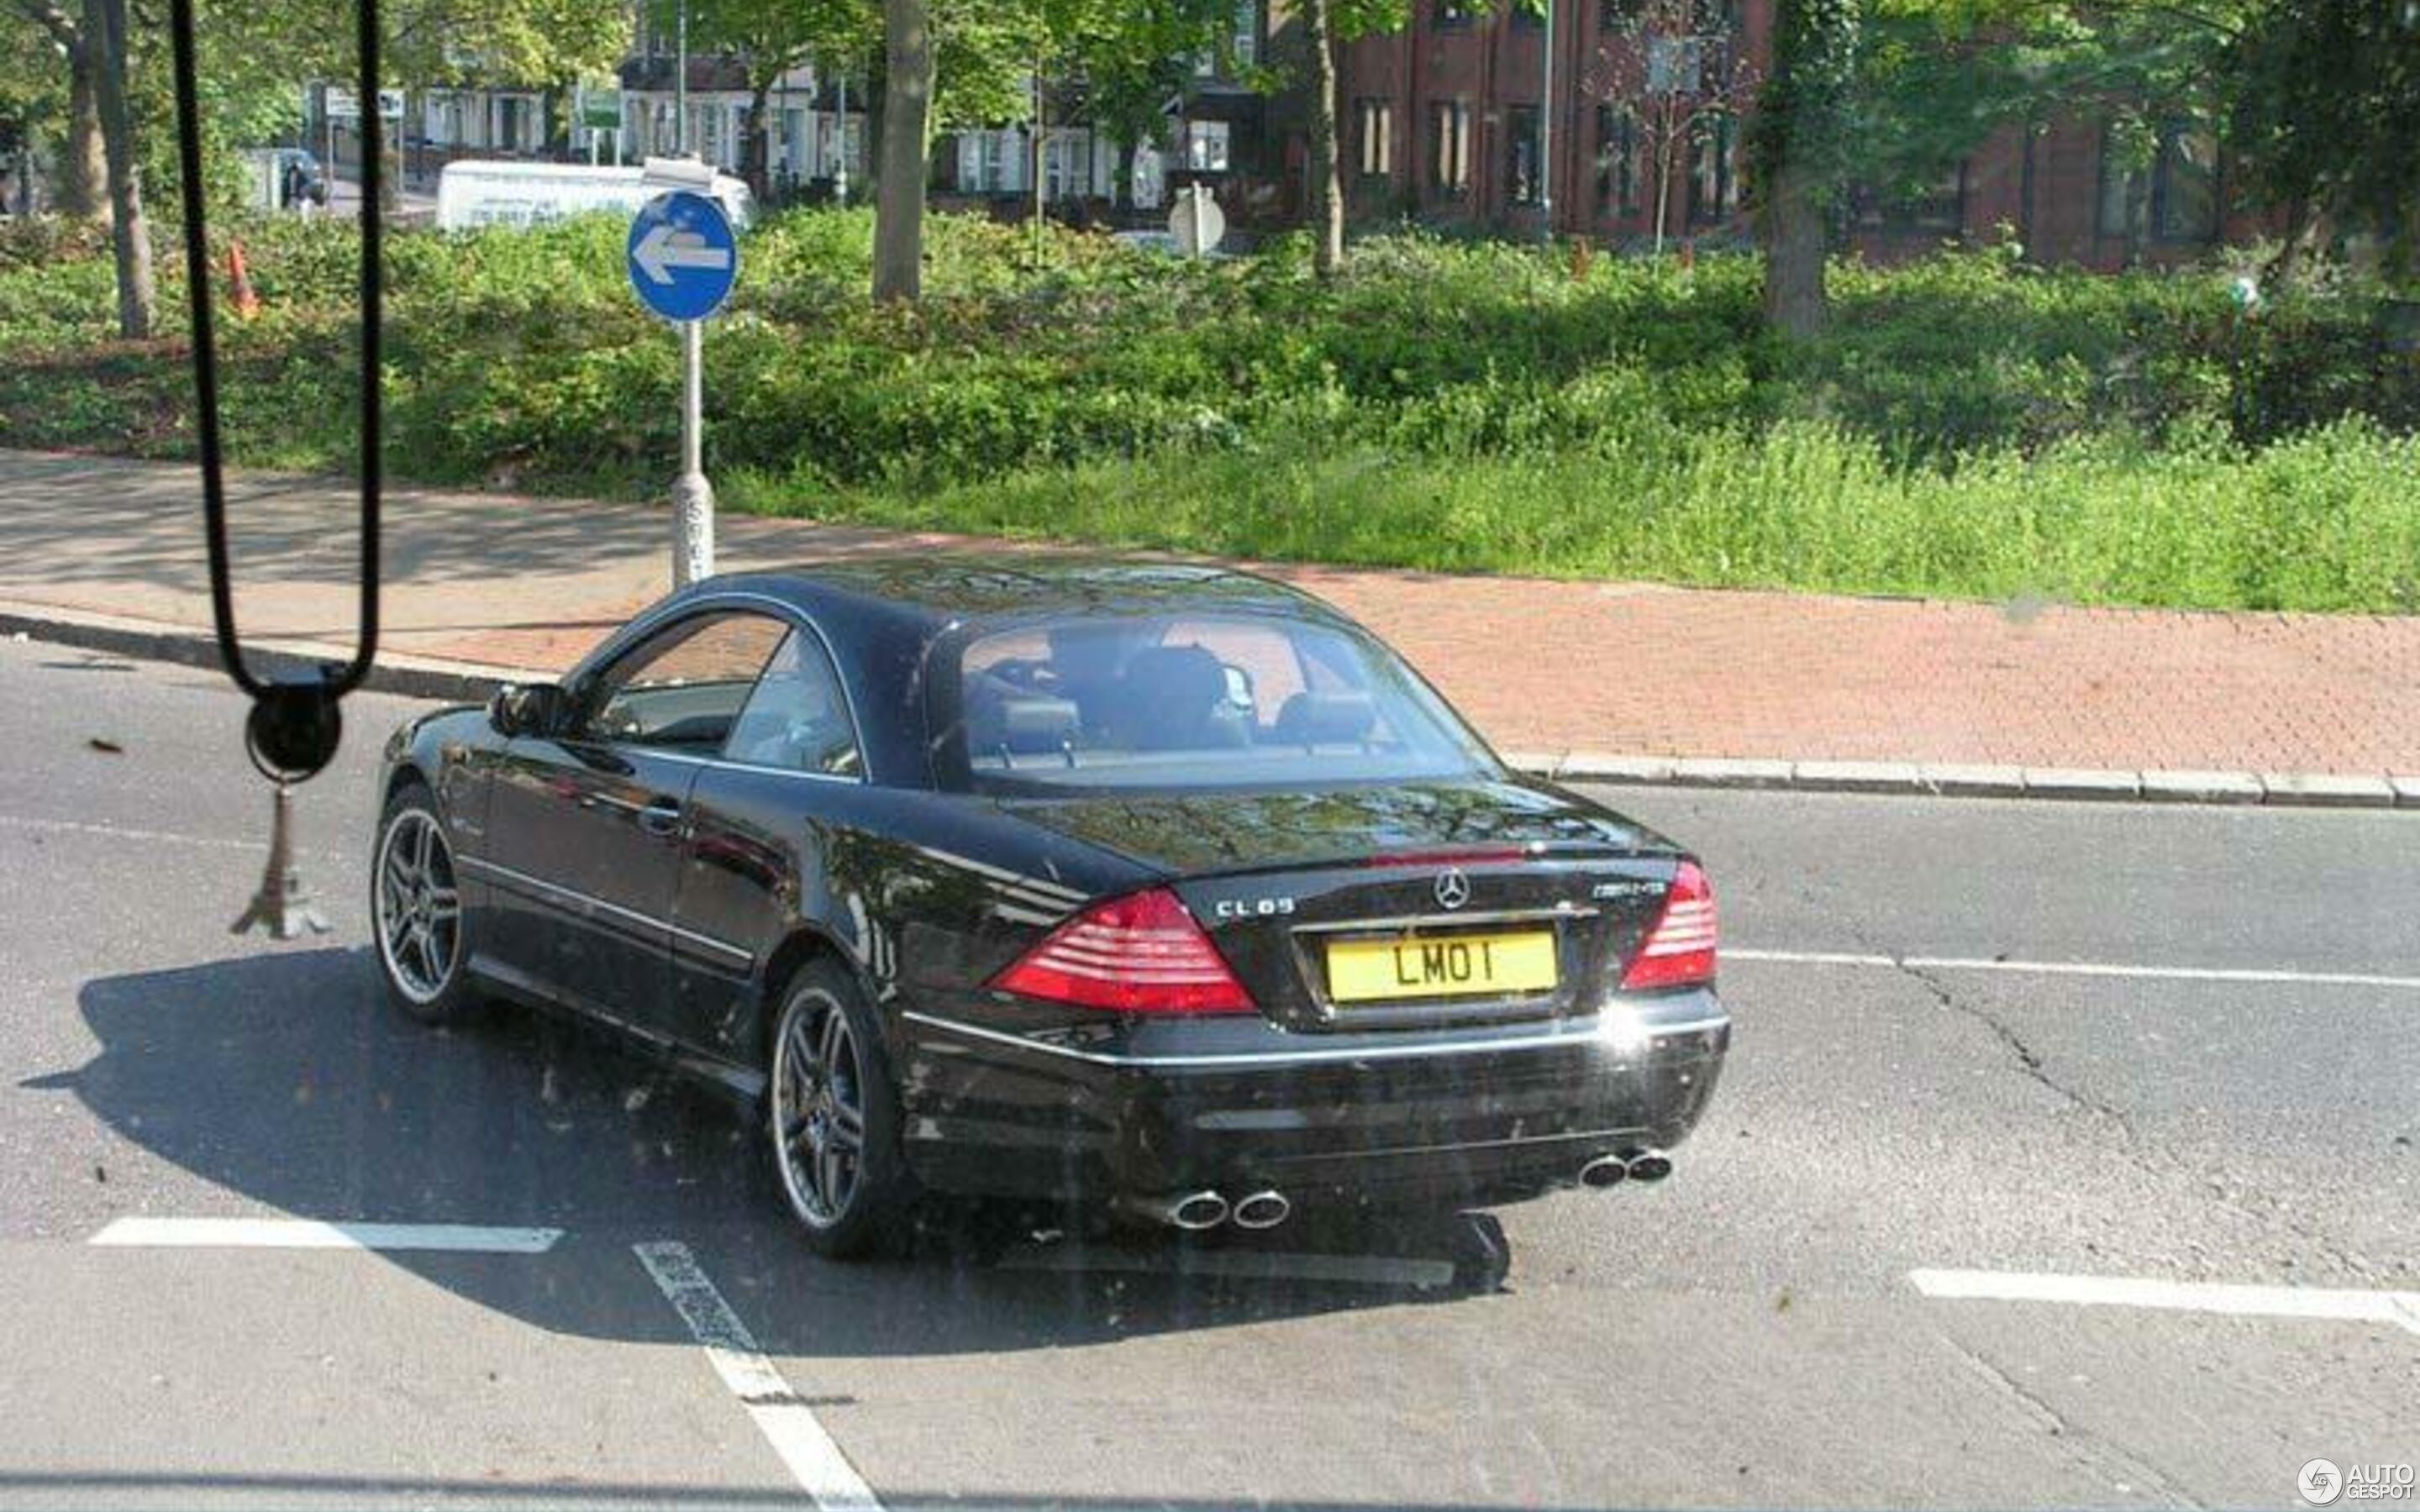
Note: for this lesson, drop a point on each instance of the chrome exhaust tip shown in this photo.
(1650, 1166)
(1195, 1211)
(1605, 1171)
(1263, 1210)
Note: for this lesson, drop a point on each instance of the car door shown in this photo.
(586, 823)
(762, 822)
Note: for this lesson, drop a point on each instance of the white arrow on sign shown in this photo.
(663, 249)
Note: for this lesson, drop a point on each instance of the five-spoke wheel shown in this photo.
(417, 905)
(832, 1115)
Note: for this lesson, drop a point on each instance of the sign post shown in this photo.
(683, 261)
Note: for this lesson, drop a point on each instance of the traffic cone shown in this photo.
(247, 303)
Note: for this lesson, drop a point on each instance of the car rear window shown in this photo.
(1196, 702)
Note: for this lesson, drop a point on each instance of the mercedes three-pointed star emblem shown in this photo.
(1452, 887)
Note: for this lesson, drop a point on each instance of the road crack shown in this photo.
(2029, 1060)
(2125, 1470)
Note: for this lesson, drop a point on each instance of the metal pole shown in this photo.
(693, 496)
(1546, 131)
(680, 82)
(840, 177)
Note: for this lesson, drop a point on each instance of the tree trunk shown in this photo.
(130, 239)
(906, 106)
(1802, 130)
(1122, 188)
(1326, 186)
(755, 150)
(84, 171)
(1793, 224)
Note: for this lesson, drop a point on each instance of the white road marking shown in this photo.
(2075, 968)
(303, 1233)
(71, 826)
(788, 1424)
(1367, 1270)
(2400, 1308)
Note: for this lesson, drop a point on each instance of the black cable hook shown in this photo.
(295, 725)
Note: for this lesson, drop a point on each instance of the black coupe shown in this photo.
(1155, 886)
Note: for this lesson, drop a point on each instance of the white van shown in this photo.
(474, 193)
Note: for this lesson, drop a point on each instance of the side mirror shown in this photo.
(525, 709)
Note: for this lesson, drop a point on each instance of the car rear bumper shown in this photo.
(1476, 1116)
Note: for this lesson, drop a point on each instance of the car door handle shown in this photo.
(661, 817)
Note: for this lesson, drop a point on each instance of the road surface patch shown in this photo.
(788, 1424)
(2400, 1308)
(305, 1233)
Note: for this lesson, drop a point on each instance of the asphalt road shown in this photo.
(1982, 1046)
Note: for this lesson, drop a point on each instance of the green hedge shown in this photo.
(1968, 424)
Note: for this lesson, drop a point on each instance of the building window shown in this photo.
(1939, 208)
(991, 162)
(1524, 178)
(1713, 171)
(1676, 65)
(1248, 33)
(1206, 147)
(1068, 164)
(2175, 198)
(1715, 18)
(1374, 122)
(1453, 15)
(1450, 147)
(1617, 162)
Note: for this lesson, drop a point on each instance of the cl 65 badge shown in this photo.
(1251, 907)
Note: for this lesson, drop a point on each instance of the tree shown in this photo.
(104, 24)
(770, 38)
(1671, 81)
(2325, 105)
(1330, 23)
(1133, 68)
(1802, 133)
(81, 190)
(907, 115)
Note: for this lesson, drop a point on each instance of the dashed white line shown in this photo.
(2400, 1308)
(2075, 968)
(303, 1233)
(788, 1424)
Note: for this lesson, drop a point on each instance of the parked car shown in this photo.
(1159, 886)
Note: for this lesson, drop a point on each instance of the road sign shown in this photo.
(600, 107)
(344, 106)
(1197, 222)
(683, 257)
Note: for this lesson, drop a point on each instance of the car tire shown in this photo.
(831, 1118)
(419, 929)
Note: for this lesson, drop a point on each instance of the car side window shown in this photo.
(796, 719)
(682, 690)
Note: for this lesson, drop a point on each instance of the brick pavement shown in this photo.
(1544, 667)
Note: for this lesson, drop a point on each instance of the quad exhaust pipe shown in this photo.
(1195, 1211)
(1646, 1166)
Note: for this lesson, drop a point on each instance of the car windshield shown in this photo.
(1196, 703)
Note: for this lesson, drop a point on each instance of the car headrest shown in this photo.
(1022, 723)
(1171, 698)
(1325, 719)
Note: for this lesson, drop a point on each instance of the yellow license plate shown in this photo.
(1459, 965)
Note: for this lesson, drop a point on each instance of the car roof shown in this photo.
(936, 592)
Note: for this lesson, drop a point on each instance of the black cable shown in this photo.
(331, 685)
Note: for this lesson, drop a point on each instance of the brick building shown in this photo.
(1447, 123)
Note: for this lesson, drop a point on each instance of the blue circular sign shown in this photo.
(683, 256)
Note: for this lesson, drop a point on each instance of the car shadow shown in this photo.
(287, 1079)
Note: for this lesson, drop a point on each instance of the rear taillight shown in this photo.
(1142, 953)
(1680, 950)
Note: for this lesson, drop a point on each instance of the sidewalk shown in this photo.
(1614, 679)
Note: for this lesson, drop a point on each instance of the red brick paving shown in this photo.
(1541, 665)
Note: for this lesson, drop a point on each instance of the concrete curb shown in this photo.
(407, 676)
(425, 677)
